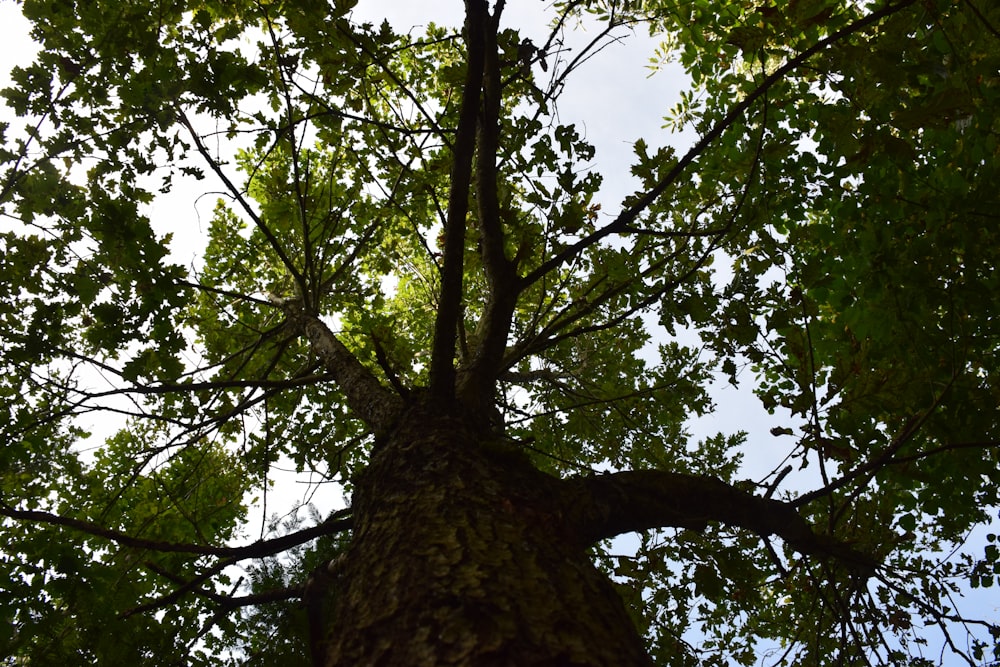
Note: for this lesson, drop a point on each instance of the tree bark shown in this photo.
(462, 556)
(465, 554)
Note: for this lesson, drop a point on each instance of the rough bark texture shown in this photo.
(461, 557)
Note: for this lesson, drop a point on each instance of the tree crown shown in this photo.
(404, 218)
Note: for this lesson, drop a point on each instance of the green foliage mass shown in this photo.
(830, 241)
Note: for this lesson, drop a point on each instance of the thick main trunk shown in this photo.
(461, 557)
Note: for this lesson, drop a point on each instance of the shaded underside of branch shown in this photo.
(603, 506)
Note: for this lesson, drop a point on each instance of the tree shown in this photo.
(411, 287)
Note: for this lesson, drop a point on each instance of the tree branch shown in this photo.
(478, 381)
(373, 403)
(603, 506)
(442, 367)
(259, 549)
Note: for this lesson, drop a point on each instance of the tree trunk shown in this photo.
(461, 556)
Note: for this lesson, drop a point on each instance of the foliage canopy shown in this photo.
(406, 214)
